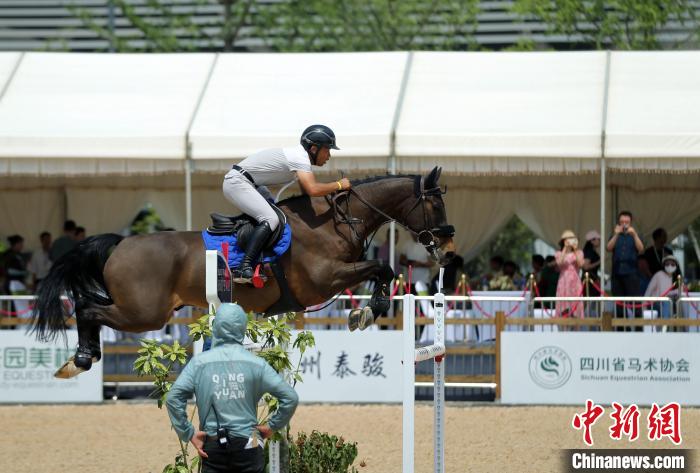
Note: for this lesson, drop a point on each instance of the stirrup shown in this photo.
(239, 278)
(258, 279)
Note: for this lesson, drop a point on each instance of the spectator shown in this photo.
(569, 261)
(420, 261)
(549, 279)
(65, 243)
(495, 272)
(80, 234)
(496, 267)
(40, 264)
(537, 267)
(228, 383)
(625, 246)
(383, 251)
(662, 282)
(656, 252)
(591, 262)
(16, 274)
(512, 272)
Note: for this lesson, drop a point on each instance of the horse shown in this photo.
(135, 283)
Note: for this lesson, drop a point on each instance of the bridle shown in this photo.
(426, 237)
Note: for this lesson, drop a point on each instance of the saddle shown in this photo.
(242, 225)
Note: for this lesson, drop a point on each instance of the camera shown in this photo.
(222, 437)
(624, 228)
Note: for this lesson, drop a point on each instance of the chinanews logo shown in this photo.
(550, 367)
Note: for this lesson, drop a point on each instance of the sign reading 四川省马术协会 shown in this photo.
(27, 369)
(626, 367)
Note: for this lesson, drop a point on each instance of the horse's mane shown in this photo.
(361, 182)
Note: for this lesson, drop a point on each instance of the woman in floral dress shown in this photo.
(569, 261)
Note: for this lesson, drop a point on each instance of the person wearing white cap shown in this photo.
(569, 260)
(661, 283)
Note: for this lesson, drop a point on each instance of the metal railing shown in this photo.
(473, 326)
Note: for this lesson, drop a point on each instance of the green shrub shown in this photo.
(321, 453)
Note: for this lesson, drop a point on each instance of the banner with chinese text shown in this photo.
(27, 367)
(624, 367)
(351, 367)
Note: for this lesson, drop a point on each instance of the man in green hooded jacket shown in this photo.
(228, 382)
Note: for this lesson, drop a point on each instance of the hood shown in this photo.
(229, 325)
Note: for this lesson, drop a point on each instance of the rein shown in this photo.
(426, 236)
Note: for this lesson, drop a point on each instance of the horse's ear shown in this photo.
(431, 182)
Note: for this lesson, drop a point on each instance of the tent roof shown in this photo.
(255, 101)
(473, 113)
(101, 106)
(503, 104)
(8, 62)
(654, 105)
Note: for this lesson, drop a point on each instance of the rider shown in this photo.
(244, 186)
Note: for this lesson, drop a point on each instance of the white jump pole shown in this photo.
(412, 355)
(439, 380)
(210, 290)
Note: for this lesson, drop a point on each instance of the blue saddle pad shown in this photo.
(236, 253)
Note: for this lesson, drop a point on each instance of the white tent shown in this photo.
(255, 101)
(538, 135)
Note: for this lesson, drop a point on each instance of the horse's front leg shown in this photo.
(351, 274)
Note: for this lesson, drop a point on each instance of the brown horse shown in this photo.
(133, 284)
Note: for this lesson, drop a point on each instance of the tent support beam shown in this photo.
(189, 164)
(392, 151)
(188, 190)
(603, 239)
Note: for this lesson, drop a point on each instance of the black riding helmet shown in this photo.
(319, 135)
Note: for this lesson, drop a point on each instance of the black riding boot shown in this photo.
(256, 243)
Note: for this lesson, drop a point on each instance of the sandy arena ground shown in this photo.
(127, 437)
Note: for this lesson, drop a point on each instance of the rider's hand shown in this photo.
(265, 431)
(198, 442)
(631, 230)
(618, 229)
(345, 183)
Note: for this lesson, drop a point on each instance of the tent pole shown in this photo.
(603, 239)
(392, 151)
(188, 190)
(188, 146)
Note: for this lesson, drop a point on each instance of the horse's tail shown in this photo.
(79, 274)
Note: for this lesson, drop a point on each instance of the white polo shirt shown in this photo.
(276, 165)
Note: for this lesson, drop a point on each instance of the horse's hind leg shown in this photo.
(88, 344)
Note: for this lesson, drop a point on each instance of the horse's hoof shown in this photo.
(366, 318)
(68, 370)
(83, 358)
(354, 319)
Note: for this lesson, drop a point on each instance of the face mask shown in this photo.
(671, 268)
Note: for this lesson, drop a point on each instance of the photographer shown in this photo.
(228, 382)
(625, 246)
(569, 261)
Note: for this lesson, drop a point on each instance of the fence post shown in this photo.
(500, 325)
(439, 382)
(409, 377)
(400, 316)
(606, 322)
